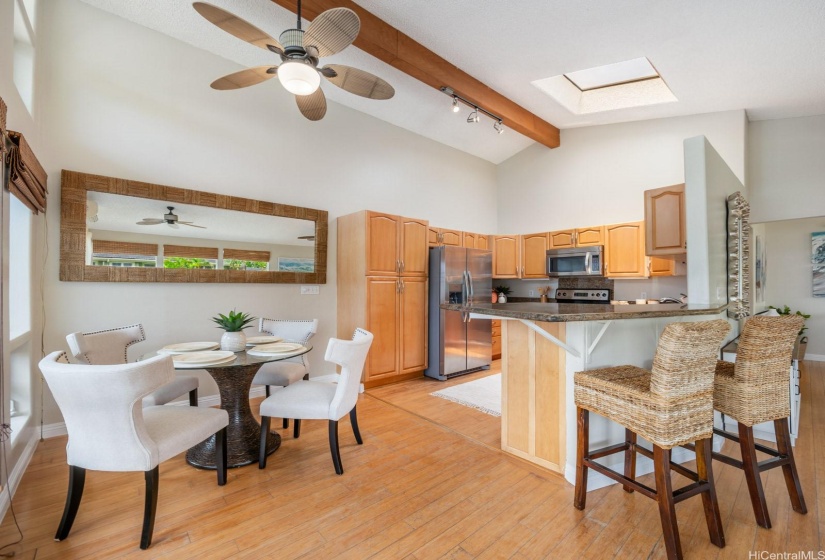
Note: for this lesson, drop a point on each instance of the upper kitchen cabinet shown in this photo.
(440, 236)
(475, 241)
(665, 221)
(625, 250)
(506, 256)
(394, 245)
(534, 255)
(582, 237)
(483, 242)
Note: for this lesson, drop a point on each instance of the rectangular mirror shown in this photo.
(115, 230)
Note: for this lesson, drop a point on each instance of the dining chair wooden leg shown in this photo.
(333, 447)
(751, 467)
(220, 455)
(582, 447)
(150, 507)
(77, 480)
(783, 445)
(286, 423)
(630, 458)
(664, 496)
(265, 420)
(353, 419)
(193, 397)
(704, 469)
(296, 428)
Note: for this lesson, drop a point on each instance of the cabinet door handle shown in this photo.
(403, 266)
(398, 286)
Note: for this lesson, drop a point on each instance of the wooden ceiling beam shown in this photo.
(388, 44)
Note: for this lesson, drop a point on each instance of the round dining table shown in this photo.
(234, 379)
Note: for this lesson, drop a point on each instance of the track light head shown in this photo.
(474, 118)
(456, 107)
(499, 127)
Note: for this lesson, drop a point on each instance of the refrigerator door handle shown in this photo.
(470, 284)
(465, 293)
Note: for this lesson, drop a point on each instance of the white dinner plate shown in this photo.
(201, 359)
(277, 349)
(255, 340)
(185, 347)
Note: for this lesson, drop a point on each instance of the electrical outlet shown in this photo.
(310, 290)
(643, 295)
(531, 293)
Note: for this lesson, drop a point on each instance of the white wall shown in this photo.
(786, 168)
(127, 102)
(599, 173)
(708, 183)
(789, 276)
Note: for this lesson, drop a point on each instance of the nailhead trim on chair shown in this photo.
(126, 348)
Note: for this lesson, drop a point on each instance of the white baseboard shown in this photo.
(596, 480)
(19, 469)
(814, 357)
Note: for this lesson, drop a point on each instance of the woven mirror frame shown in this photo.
(739, 248)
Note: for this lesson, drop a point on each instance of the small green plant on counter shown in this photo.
(787, 311)
(234, 322)
(502, 290)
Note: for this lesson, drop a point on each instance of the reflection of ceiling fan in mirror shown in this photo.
(170, 218)
(329, 33)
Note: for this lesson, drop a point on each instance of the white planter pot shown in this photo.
(233, 341)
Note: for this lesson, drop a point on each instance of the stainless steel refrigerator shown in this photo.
(457, 343)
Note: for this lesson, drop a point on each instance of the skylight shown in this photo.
(613, 74)
(632, 83)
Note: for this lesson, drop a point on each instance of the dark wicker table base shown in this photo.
(244, 431)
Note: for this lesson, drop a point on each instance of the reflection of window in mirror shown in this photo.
(125, 231)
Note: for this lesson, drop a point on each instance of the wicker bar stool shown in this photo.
(669, 406)
(755, 389)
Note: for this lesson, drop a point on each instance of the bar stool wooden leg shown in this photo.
(705, 471)
(630, 458)
(582, 449)
(667, 509)
(783, 445)
(751, 468)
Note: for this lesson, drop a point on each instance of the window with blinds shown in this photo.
(124, 254)
(184, 256)
(242, 259)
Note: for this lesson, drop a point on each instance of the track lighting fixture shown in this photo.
(475, 114)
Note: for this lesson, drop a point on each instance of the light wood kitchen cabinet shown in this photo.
(665, 221)
(382, 287)
(506, 256)
(581, 237)
(394, 245)
(534, 255)
(496, 337)
(483, 242)
(673, 265)
(475, 241)
(441, 236)
(625, 250)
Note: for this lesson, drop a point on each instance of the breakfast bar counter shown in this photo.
(544, 344)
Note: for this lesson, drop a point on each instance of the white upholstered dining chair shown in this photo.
(111, 346)
(316, 400)
(284, 372)
(110, 430)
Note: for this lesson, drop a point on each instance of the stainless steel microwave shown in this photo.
(576, 261)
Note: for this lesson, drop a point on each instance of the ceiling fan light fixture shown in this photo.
(299, 77)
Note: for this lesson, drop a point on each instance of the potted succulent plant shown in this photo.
(801, 340)
(502, 291)
(234, 323)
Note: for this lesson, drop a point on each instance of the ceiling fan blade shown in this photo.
(234, 25)
(332, 31)
(312, 106)
(245, 78)
(190, 224)
(358, 82)
(149, 222)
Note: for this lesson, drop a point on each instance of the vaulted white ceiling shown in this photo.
(762, 56)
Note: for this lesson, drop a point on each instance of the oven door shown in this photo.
(574, 262)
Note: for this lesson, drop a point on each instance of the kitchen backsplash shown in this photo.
(652, 288)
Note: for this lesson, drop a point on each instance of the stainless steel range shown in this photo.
(583, 295)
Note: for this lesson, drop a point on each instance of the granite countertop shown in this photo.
(564, 312)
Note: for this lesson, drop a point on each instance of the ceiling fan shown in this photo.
(300, 50)
(169, 218)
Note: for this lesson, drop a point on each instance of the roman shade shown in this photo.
(27, 178)
(190, 252)
(103, 247)
(244, 255)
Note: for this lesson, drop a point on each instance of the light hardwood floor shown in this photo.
(414, 490)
